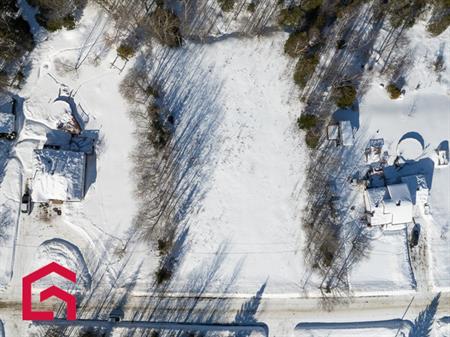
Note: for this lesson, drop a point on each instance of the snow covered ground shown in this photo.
(248, 220)
(387, 268)
(354, 329)
(424, 114)
(106, 214)
(245, 233)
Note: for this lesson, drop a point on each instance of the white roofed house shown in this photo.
(389, 206)
(59, 175)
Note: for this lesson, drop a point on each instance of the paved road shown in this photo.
(279, 315)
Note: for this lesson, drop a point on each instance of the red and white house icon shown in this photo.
(53, 291)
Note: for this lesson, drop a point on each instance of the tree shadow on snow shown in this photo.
(424, 322)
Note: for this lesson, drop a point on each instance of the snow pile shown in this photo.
(386, 268)
(438, 229)
(69, 256)
(59, 175)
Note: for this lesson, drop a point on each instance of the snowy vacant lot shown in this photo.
(248, 223)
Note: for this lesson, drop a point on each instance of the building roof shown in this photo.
(415, 184)
(373, 151)
(333, 132)
(59, 175)
(346, 133)
(7, 122)
(389, 205)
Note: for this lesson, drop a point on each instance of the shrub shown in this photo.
(312, 139)
(394, 91)
(308, 5)
(164, 247)
(159, 134)
(251, 7)
(226, 5)
(52, 25)
(296, 44)
(439, 25)
(165, 26)
(404, 12)
(290, 17)
(15, 35)
(304, 70)
(307, 121)
(345, 95)
(163, 274)
(125, 51)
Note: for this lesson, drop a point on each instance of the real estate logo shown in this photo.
(27, 311)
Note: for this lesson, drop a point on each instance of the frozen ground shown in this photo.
(386, 268)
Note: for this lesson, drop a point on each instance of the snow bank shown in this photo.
(69, 256)
(386, 328)
(438, 229)
(387, 267)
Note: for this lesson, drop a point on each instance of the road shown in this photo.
(279, 316)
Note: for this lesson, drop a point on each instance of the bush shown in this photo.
(309, 5)
(15, 34)
(159, 134)
(312, 139)
(394, 91)
(307, 121)
(226, 5)
(439, 25)
(251, 7)
(290, 17)
(296, 44)
(125, 51)
(52, 25)
(404, 12)
(304, 70)
(163, 274)
(345, 95)
(165, 26)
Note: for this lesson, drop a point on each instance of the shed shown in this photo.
(59, 175)
(346, 133)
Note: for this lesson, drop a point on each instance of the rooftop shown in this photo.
(59, 175)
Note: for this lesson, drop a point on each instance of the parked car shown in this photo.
(26, 201)
(415, 236)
